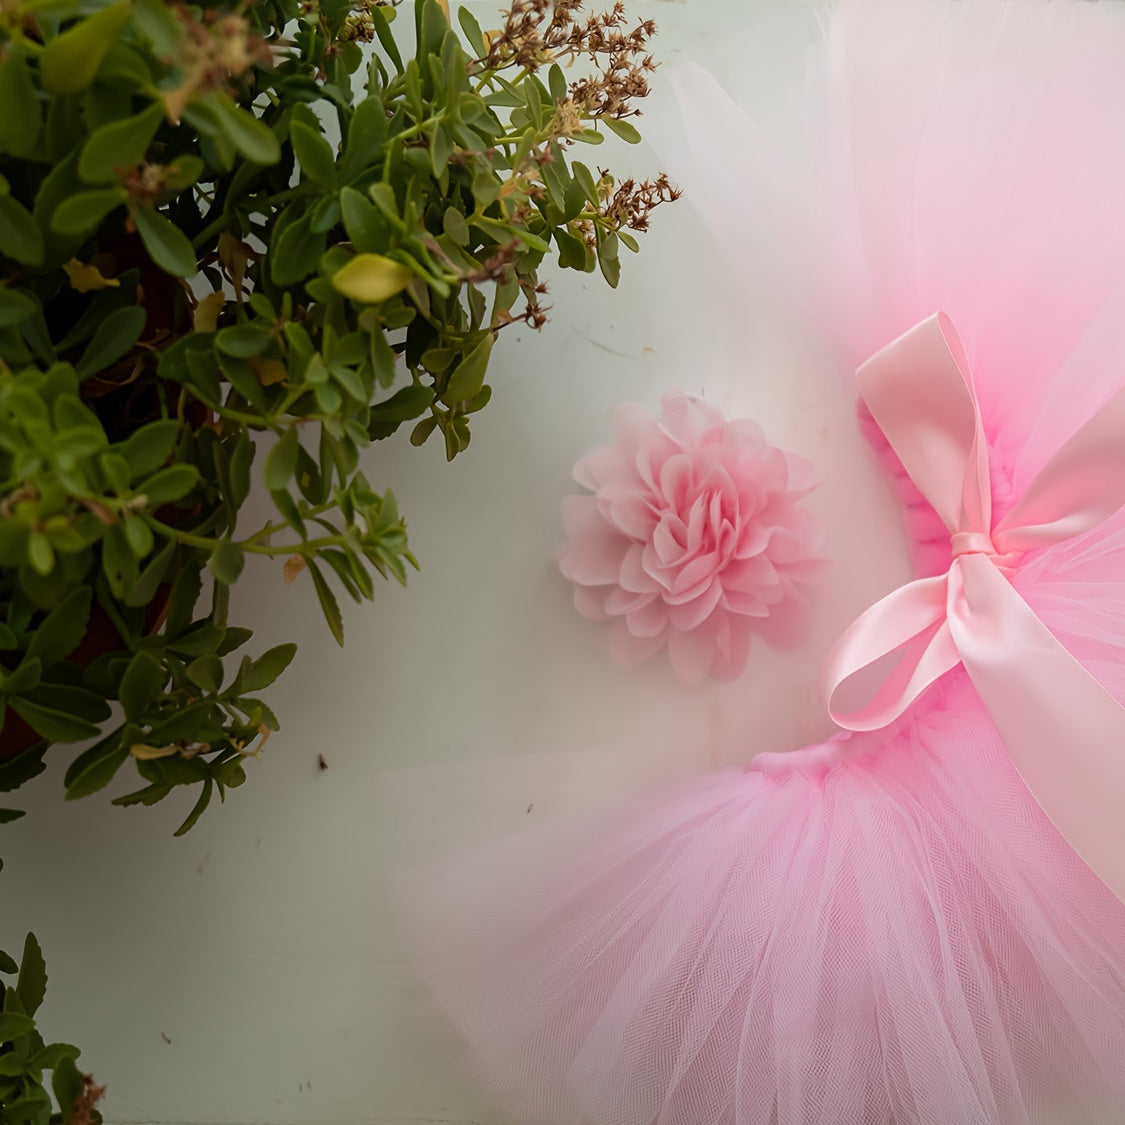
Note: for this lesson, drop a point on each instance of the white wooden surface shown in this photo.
(249, 972)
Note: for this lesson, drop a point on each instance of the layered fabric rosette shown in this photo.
(693, 538)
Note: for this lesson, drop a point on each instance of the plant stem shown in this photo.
(224, 220)
(250, 546)
(420, 127)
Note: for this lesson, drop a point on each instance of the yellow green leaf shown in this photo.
(145, 753)
(85, 277)
(206, 315)
(371, 278)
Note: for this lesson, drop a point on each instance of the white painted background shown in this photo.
(249, 973)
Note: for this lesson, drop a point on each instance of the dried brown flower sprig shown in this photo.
(630, 204)
(536, 33)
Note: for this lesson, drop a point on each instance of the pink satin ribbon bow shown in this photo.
(1064, 732)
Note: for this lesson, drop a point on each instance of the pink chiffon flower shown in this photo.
(692, 539)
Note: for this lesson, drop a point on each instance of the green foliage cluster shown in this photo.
(200, 288)
(25, 1057)
(242, 240)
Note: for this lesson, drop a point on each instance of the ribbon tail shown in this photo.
(1063, 730)
(910, 621)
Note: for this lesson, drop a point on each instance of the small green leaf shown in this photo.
(21, 768)
(183, 172)
(158, 25)
(381, 17)
(314, 154)
(181, 602)
(51, 724)
(61, 630)
(141, 685)
(468, 376)
(67, 1084)
(83, 212)
(40, 553)
(453, 223)
(556, 81)
(51, 1055)
(206, 672)
(328, 603)
(119, 146)
(572, 250)
(144, 590)
(148, 448)
(296, 252)
(574, 200)
(472, 30)
(168, 246)
(243, 340)
(281, 462)
(423, 430)
(234, 638)
(226, 561)
(198, 809)
(94, 768)
(20, 236)
(139, 535)
(32, 986)
(367, 228)
(171, 483)
(250, 135)
(70, 61)
(404, 404)
(8, 963)
(119, 564)
(29, 1109)
(115, 472)
(22, 120)
(15, 306)
(201, 638)
(585, 179)
(241, 458)
(287, 508)
(113, 339)
(608, 257)
(624, 129)
(268, 667)
(12, 1065)
(25, 678)
(367, 135)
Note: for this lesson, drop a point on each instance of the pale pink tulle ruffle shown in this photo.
(885, 930)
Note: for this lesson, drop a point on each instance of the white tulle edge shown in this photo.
(957, 156)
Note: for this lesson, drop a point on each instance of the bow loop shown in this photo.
(920, 391)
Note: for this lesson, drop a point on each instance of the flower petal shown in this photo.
(595, 551)
(647, 620)
(690, 615)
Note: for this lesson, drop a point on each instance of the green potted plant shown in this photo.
(190, 262)
(239, 243)
(25, 1057)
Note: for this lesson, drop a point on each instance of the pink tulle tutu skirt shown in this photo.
(885, 928)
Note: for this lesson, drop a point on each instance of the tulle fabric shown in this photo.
(883, 929)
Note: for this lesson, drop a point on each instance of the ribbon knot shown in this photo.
(972, 543)
(1063, 731)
